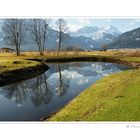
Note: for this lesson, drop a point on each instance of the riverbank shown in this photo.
(123, 57)
(15, 69)
(113, 98)
(12, 67)
(9, 62)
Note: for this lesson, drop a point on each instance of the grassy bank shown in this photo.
(10, 64)
(15, 69)
(113, 98)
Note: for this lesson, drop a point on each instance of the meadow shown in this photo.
(113, 98)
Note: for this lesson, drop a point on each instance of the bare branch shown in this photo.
(39, 29)
(62, 32)
(14, 30)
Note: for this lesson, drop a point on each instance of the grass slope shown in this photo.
(15, 69)
(113, 98)
(10, 64)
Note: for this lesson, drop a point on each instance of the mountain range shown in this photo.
(130, 39)
(101, 34)
(87, 38)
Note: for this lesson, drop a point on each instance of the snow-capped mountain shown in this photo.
(86, 31)
(103, 34)
(86, 38)
(85, 43)
(109, 29)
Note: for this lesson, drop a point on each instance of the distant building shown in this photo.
(9, 50)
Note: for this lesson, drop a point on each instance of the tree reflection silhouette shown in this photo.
(40, 91)
(63, 83)
(35, 88)
(17, 92)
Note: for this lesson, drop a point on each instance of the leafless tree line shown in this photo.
(14, 31)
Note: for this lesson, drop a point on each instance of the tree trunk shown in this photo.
(41, 53)
(17, 50)
(59, 44)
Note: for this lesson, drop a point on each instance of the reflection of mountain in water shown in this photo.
(38, 89)
(100, 69)
(44, 94)
(56, 81)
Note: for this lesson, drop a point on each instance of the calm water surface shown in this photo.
(32, 99)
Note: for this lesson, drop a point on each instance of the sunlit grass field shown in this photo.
(122, 52)
(113, 98)
(7, 59)
(62, 53)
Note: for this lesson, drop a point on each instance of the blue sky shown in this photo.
(123, 24)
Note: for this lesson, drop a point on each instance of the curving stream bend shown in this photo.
(32, 99)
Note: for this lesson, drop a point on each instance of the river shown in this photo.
(32, 99)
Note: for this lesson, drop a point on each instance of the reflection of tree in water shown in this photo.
(62, 83)
(40, 91)
(35, 88)
(17, 92)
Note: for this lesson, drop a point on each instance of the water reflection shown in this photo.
(42, 95)
(62, 83)
(17, 92)
(36, 89)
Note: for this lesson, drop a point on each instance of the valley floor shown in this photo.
(113, 98)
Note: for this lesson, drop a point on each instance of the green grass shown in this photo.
(10, 64)
(113, 98)
(131, 59)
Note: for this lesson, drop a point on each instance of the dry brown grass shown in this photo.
(133, 54)
(129, 53)
(122, 52)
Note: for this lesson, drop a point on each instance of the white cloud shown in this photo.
(82, 81)
(84, 21)
(108, 20)
(75, 23)
(79, 23)
(73, 27)
(134, 21)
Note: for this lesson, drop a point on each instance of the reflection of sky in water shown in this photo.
(34, 98)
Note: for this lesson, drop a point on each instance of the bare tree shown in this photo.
(39, 29)
(62, 32)
(104, 47)
(14, 31)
